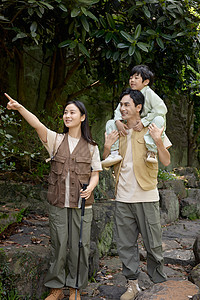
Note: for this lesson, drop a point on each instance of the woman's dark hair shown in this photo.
(137, 96)
(144, 71)
(85, 129)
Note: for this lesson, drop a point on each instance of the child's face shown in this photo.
(136, 82)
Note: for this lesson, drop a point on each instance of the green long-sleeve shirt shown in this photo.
(153, 106)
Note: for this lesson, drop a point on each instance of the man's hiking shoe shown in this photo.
(55, 294)
(132, 290)
(73, 293)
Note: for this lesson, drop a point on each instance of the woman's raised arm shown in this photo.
(29, 117)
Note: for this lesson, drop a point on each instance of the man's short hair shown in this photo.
(137, 96)
(144, 71)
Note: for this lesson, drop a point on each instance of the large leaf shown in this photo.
(85, 23)
(122, 45)
(33, 27)
(143, 46)
(108, 37)
(83, 49)
(137, 56)
(146, 12)
(116, 55)
(75, 12)
(89, 2)
(160, 42)
(131, 50)
(62, 7)
(151, 32)
(127, 36)
(110, 20)
(138, 31)
(90, 15)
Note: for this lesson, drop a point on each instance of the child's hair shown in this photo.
(137, 96)
(144, 71)
(85, 129)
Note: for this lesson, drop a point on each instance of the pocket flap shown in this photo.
(86, 160)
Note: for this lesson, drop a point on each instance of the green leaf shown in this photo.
(137, 56)
(160, 43)
(124, 54)
(166, 36)
(88, 2)
(83, 49)
(75, 12)
(108, 37)
(127, 36)
(85, 23)
(146, 12)
(180, 34)
(171, 6)
(62, 7)
(33, 27)
(20, 35)
(100, 33)
(139, 3)
(138, 31)
(180, 9)
(91, 16)
(71, 28)
(84, 10)
(122, 45)
(70, 43)
(131, 50)
(176, 21)
(103, 22)
(151, 32)
(161, 19)
(108, 54)
(116, 55)
(47, 5)
(143, 46)
(110, 20)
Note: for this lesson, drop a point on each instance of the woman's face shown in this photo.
(72, 116)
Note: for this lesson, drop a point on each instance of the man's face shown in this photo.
(136, 82)
(128, 109)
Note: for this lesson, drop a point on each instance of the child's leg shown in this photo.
(114, 156)
(110, 126)
(150, 144)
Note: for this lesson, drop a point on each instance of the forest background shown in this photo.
(57, 50)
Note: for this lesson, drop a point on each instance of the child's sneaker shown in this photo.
(152, 157)
(111, 160)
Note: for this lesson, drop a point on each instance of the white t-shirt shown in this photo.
(53, 142)
(128, 189)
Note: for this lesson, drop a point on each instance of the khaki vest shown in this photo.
(145, 172)
(78, 164)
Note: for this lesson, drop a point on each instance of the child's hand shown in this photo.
(122, 128)
(86, 193)
(12, 104)
(155, 132)
(111, 138)
(139, 126)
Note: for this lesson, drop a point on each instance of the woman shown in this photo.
(75, 161)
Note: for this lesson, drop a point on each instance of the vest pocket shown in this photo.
(57, 164)
(83, 165)
(152, 169)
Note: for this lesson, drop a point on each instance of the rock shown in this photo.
(190, 208)
(168, 290)
(169, 206)
(195, 275)
(111, 292)
(179, 256)
(177, 186)
(196, 297)
(196, 249)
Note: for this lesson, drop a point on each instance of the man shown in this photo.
(137, 198)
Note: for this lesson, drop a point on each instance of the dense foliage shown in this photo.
(87, 47)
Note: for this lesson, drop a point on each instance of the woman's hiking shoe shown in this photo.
(55, 294)
(132, 290)
(72, 292)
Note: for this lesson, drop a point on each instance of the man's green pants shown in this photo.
(65, 233)
(132, 219)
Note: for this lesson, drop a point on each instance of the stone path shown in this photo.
(109, 283)
(178, 240)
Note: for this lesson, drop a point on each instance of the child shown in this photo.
(154, 111)
(75, 160)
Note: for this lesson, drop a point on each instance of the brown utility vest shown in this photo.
(145, 172)
(78, 164)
